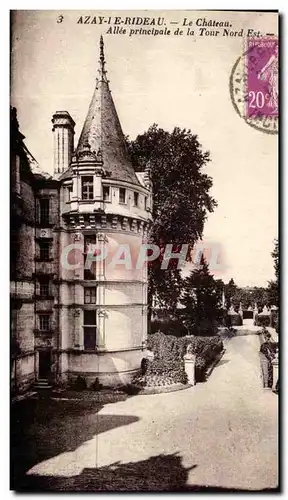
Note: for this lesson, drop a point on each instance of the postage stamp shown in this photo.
(254, 84)
(262, 84)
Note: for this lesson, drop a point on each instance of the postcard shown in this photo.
(144, 251)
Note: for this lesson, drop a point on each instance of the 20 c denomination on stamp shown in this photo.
(254, 84)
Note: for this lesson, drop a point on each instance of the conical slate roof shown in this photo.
(102, 130)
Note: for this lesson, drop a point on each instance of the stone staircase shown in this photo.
(42, 384)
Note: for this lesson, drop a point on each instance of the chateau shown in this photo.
(70, 319)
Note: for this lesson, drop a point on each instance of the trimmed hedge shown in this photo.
(275, 320)
(277, 324)
(231, 320)
(167, 347)
(262, 320)
(206, 350)
(235, 320)
(172, 349)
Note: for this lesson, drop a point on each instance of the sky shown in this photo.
(169, 80)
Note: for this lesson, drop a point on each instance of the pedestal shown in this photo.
(189, 363)
(275, 365)
(149, 355)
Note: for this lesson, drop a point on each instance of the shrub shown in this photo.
(262, 320)
(231, 320)
(206, 350)
(172, 349)
(275, 320)
(277, 324)
(235, 320)
(169, 326)
(201, 366)
(163, 346)
(144, 365)
(79, 384)
(178, 328)
(206, 328)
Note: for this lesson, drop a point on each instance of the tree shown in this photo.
(230, 291)
(249, 296)
(273, 285)
(165, 292)
(202, 299)
(181, 200)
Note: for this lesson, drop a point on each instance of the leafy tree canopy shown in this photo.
(181, 198)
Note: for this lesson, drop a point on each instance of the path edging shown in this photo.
(159, 389)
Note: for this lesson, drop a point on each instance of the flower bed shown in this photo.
(160, 372)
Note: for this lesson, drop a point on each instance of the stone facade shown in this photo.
(80, 314)
(22, 245)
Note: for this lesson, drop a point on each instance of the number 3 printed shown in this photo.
(60, 19)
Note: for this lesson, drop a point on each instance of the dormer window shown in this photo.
(106, 193)
(87, 188)
(122, 195)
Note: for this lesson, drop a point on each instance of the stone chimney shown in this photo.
(63, 129)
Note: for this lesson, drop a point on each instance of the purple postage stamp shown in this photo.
(262, 77)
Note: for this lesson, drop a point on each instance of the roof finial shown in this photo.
(102, 57)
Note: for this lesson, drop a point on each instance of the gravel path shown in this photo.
(222, 434)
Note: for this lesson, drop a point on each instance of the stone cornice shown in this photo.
(95, 306)
(108, 222)
(97, 282)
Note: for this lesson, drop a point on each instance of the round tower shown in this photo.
(106, 214)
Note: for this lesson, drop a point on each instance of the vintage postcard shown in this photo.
(144, 251)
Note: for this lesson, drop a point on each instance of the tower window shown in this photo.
(136, 199)
(122, 195)
(145, 202)
(89, 330)
(90, 264)
(44, 250)
(44, 287)
(89, 242)
(90, 295)
(106, 193)
(87, 188)
(44, 211)
(44, 322)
